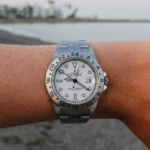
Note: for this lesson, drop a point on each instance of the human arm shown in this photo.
(24, 99)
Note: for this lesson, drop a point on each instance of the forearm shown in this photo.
(24, 99)
(23, 96)
(128, 67)
(128, 94)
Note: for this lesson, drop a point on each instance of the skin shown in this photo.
(24, 98)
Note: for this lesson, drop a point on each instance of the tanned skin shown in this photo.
(24, 98)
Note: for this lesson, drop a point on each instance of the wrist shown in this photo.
(22, 75)
(117, 59)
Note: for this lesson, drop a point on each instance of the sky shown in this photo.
(138, 9)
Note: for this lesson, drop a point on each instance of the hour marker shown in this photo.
(74, 64)
(89, 72)
(59, 81)
(75, 96)
(61, 71)
(66, 95)
(83, 95)
(89, 89)
(83, 66)
(66, 66)
(60, 89)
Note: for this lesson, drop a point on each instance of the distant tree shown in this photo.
(1, 15)
(73, 11)
(68, 5)
(73, 14)
(21, 14)
(6, 11)
(51, 2)
(13, 12)
(51, 7)
(29, 12)
(55, 12)
(58, 13)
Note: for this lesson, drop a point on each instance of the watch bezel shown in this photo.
(74, 55)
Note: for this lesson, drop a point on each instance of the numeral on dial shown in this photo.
(48, 80)
(51, 94)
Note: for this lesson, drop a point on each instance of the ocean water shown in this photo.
(76, 31)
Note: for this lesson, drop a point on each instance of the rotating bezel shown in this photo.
(65, 57)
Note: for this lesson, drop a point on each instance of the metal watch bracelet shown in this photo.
(69, 115)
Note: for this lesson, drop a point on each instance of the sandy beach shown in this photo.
(9, 38)
(95, 135)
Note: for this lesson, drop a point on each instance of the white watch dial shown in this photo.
(75, 81)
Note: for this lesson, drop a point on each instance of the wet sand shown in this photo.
(9, 38)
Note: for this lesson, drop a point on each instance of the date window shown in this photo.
(88, 80)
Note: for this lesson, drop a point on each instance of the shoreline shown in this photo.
(7, 37)
(76, 20)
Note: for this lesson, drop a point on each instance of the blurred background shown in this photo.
(39, 22)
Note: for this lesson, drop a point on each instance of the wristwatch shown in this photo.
(75, 81)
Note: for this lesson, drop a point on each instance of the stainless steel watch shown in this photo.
(75, 81)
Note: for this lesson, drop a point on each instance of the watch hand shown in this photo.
(83, 86)
(67, 75)
(77, 73)
(76, 81)
(78, 70)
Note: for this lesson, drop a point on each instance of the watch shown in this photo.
(75, 81)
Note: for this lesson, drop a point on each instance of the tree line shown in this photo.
(31, 12)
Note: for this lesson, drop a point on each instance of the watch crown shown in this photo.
(105, 79)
